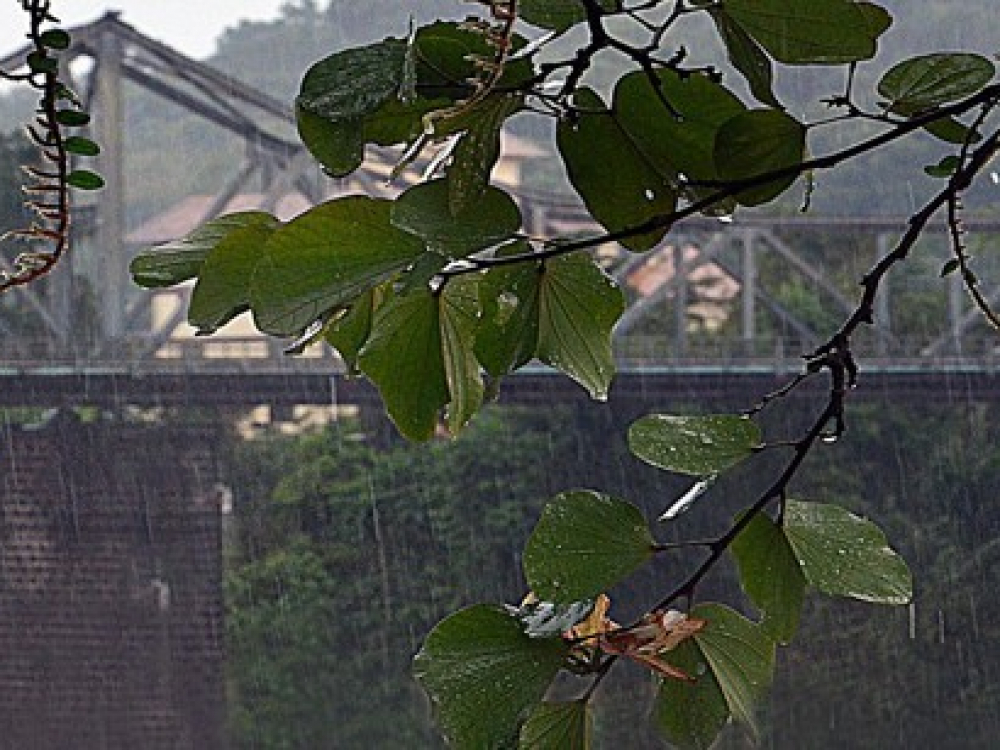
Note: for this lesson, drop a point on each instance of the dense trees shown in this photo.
(305, 588)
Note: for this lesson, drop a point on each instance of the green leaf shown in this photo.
(681, 144)
(699, 446)
(484, 675)
(445, 59)
(556, 15)
(324, 259)
(508, 330)
(950, 130)
(950, 267)
(403, 358)
(944, 168)
(583, 544)
(928, 81)
(578, 305)
(55, 39)
(844, 555)
(81, 146)
(339, 146)
(754, 143)
(353, 97)
(425, 211)
(72, 118)
(621, 186)
(354, 83)
(558, 726)
(180, 260)
(747, 57)
(380, 93)
(561, 311)
(223, 288)
(800, 32)
(740, 656)
(691, 715)
(420, 356)
(770, 576)
(40, 62)
(459, 312)
(84, 179)
(348, 333)
(478, 151)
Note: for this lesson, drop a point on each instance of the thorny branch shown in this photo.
(48, 189)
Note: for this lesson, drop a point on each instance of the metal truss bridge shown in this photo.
(719, 308)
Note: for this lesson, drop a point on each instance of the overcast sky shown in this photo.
(191, 26)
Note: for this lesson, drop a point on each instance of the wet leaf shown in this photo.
(950, 267)
(324, 259)
(801, 32)
(561, 312)
(425, 211)
(80, 146)
(84, 179)
(403, 357)
(844, 555)
(459, 311)
(72, 118)
(578, 305)
(698, 446)
(747, 57)
(55, 39)
(583, 544)
(950, 130)
(558, 726)
(478, 151)
(754, 143)
(508, 331)
(349, 332)
(223, 287)
(557, 15)
(621, 185)
(770, 576)
(679, 140)
(691, 714)
(339, 146)
(944, 168)
(928, 81)
(419, 355)
(740, 656)
(485, 675)
(180, 260)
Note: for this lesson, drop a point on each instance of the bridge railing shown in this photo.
(250, 354)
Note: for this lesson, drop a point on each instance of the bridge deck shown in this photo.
(319, 382)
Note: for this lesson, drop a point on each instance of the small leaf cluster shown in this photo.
(58, 110)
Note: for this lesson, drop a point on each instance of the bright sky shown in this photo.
(190, 26)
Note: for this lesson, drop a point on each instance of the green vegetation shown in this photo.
(436, 295)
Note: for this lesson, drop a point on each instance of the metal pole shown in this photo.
(749, 290)
(110, 231)
(883, 315)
